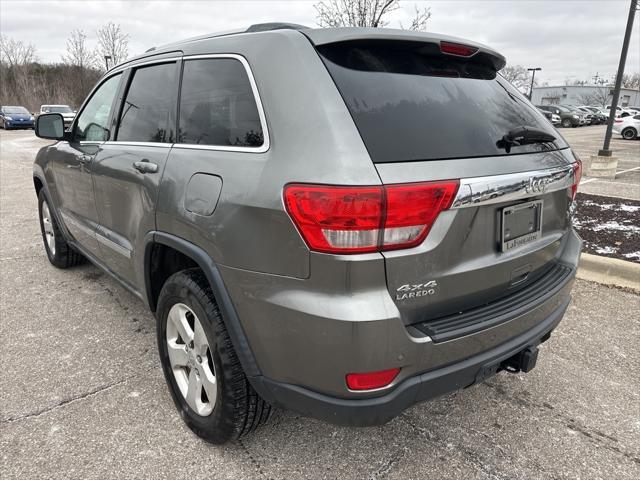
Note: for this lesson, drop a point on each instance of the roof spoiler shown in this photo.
(447, 45)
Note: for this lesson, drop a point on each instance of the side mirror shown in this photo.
(50, 126)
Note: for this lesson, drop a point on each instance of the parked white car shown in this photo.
(555, 119)
(65, 110)
(628, 127)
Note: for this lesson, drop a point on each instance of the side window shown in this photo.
(637, 117)
(217, 105)
(148, 105)
(92, 121)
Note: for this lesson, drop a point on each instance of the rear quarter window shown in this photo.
(217, 105)
(411, 103)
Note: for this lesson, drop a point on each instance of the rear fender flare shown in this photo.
(208, 266)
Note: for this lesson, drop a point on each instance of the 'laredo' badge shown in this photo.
(408, 291)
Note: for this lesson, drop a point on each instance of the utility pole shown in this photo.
(106, 61)
(533, 76)
(605, 152)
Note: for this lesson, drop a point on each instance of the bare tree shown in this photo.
(16, 52)
(364, 13)
(600, 96)
(631, 81)
(78, 53)
(518, 76)
(112, 43)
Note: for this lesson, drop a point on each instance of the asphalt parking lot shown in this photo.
(82, 394)
(586, 141)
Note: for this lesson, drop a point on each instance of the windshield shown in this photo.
(410, 103)
(56, 109)
(15, 110)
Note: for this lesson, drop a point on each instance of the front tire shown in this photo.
(566, 123)
(59, 252)
(629, 133)
(200, 365)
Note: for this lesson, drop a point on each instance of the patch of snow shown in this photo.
(616, 226)
(630, 208)
(606, 250)
(632, 255)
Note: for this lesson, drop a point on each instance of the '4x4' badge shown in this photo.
(416, 290)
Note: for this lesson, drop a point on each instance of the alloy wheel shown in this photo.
(47, 226)
(191, 359)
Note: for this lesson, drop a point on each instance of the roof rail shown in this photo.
(264, 27)
(258, 27)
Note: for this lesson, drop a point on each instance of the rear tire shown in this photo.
(227, 406)
(629, 133)
(59, 252)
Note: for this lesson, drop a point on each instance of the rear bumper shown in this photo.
(379, 410)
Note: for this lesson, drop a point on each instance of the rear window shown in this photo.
(410, 102)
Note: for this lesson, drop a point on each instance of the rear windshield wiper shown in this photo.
(524, 136)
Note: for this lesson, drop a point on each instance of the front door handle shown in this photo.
(145, 166)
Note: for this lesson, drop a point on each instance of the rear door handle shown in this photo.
(145, 166)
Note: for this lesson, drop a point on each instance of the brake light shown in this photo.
(577, 175)
(338, 219)
(371, 380)
(457, 49)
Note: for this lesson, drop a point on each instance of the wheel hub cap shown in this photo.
(191, 359)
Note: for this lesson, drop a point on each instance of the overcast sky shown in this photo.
(567, 38)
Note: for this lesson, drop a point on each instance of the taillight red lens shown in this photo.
(412, 209)
(457, 49)
(577, 175)
(371, 380)
(331, 219)
(337, 219)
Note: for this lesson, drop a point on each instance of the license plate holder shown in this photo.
(521, 224)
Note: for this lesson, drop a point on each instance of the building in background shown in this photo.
(596, 95)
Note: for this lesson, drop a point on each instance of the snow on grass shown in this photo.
(612, 206)
(612, 225)
(632, 255)
(606, 250)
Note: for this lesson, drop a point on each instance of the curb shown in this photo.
(609, 271)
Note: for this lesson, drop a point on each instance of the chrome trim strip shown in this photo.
(124, 66)
(113, 245)
(478, 191)
(139, 144)
(256, 95)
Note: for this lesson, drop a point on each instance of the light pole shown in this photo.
(605, 152)
(106, 61)
(533, 76)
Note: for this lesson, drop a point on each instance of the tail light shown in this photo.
(617, 120)
(371, 380)
(577, 175)
(457, 49)
(338, 219)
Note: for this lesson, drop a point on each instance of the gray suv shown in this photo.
(340, 222)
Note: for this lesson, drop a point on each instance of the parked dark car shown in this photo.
(15, 117)
(599, 117)
(548, 115)
(568, 118)
(331, 228)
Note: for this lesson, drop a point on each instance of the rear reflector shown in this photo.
(371, 380)
(457, 49)
(338, 219)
